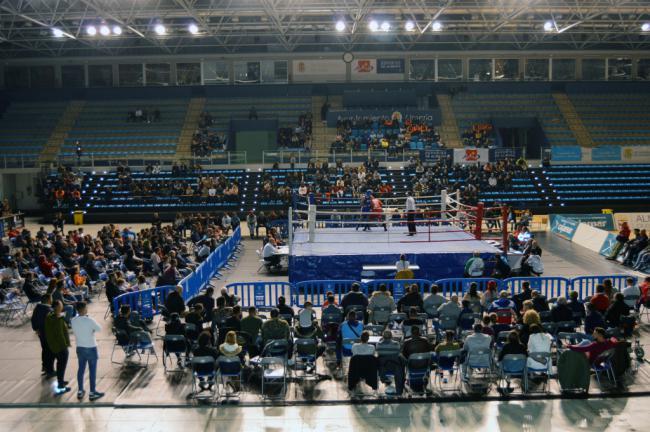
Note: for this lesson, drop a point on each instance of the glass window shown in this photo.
(643, 69)
(158, 74)
(536, 70)
(480, 69)
(247, 72)
(506, 69)
(188, 74)
(422, 70)
(216, 72)
(130, 75)
(100, 76)
(564, 69)
(450, 70)
(16, 77)
(42, 76)
(593, 69)
(72, 76)
(274, 71)
(619, 69)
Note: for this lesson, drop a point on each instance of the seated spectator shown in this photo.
(170, 275)
(540, 303)
(532, 265)
(631, 290)
(490, 294)
(380, 299)
(594, 349)
(196, 316)
(610, 291)
(411, 299)
(473, 297)
(503, 303)
(433, 301)
(487, 329)
(175, 327)
(577, 307)
(538, 342)
(230, 299)
(412, 320)
(416, 344)
(600, 300)
(230, 347)
(174, 301)
(512, 346)
(525, 294)
(206, 299)
(354, 298)
(275, 328)
(363, 364)
(451, 309)
(286, 312)
(594, 319)
(616, 310)
(561, 312)
(138, 332)
(449, 344)
(351, 329)
(252, 325)
(477, 341)
(390, 362)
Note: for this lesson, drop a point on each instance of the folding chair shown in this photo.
(380, 315)
(374, 329)
(513, 366)
(164, 319)
(604, 364)
(123, 341)
(274, 372)
(447, 322)
(418, 370)
(447, 361)
(203, 374)
(230, 375)
(565, 327)
(501, 339)
(177, 345)
(466, 321)
(480, 361)
(536, 372)
(143, 343)
(276, 348)
(306, 350)
(396, 319)
(346, 353)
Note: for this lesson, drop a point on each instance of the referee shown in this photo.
(410, 214)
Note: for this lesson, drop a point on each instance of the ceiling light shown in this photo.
(548, 26)
(193, 28)
(160, 29)
(409, 26)
(91, 31)
(645, 27)
(340, 26)
(436, 26)
(104, 30)
(117, 30)
(57, 32)
(373, 26)
(385, 26)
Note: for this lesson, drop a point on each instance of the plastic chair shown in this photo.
(203, 373)
(418, 369)
(276, 348)
(274, 371)
(230, 368)
(604, 364)
(380, 315)
(536, 372)
(177, 345)
(479, 360)
(373, 329)
(447, 361)
(123, 341)
(306, 350)
(514, 366)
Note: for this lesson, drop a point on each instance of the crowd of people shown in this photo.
(299, 136)
(62, 190)
(205, 140)
(632, 250)
(478, 135)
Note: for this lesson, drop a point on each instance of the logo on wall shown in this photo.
(396, 116)
(628, 153)
(364, 66)
(471, 155)
(301, 67)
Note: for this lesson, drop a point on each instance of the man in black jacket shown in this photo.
(38, 325)
(175, 302)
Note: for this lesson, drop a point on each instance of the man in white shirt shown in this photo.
(410, 214)
(84, 329)
(363, 347)
(271, 253)
(402, 264)
(631, 290)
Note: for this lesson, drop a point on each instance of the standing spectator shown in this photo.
(41, 311)
(251, 221)
(58, 341)
(84, 329)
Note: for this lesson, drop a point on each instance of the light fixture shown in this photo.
(340, 26)
(193, 28)
(117, 30)
(385, 26)
(436, 26)
(160, 29)
(373, 26)
(91, 30)
(409, 26)
(104, 30)
(645, 27)
(57, 32)
(548, 26)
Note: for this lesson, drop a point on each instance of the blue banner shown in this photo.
(608, 245)
(566, 153)
(433, 155)
(390, 66)
(596, 220)
(606, 153)
(564, 227)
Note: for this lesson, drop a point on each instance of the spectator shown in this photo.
(451, 309)
(594, 349)
(380, 299)
(594, 319)
(40, 313)
(206, 299)
(631, 290)
(411, 299)
(512, 346)
(350, 330)
(415, 344)
(174, 302)
(616, 310)
(354, 298)
(539, 342)
(539, 301)
(84, 329)
(561, 312)
(433, 301)
(275, 328)
(600, 300)
(58, 341)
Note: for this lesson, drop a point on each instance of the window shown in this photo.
(619, 69)
(506, 69)
(72, 76)
(247, 72)
(16, 77)
(100, 76)
(643, 69)
(536, 70)
(216, 72)
(422, 70)
(450, 70)
(188, 74)
(42, 76)
(564, 69)
(480, 69)
(158, 74)
(130, 75)
(593, 69)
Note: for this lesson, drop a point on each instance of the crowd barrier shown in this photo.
(147, 302)
(265, 294)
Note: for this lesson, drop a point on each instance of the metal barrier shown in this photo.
(315, 291)
(551, 287)
(459, 286)
(586, 285)
(146, 302)
(397, 286)
(260, 294)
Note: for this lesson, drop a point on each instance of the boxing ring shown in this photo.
(336, 245)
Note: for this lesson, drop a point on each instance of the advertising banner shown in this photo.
(590, 237)
(319, 70)
(608, 245)
(566, 153)
(390, 66)
(369, 69)
(636, 153)
(597, 220)
(471, 155)
(564, 227)
(634, 220)
(501, 153)
(606, 153)
(431, 156)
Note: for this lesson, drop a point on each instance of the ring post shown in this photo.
(504, 230)
(290, 227)
(478, 230)
(443, 204)
(311, 222)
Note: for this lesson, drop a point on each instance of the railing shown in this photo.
(147, 302)
(18, 161)
(90, 160)
(304, 156)
(260, 294)
(11, 221)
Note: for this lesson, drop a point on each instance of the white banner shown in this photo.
(636, 153)
(471, 155)
(319, 70)
(634, 220)
(590, 237)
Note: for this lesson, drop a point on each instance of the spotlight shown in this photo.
(104, 30)
(160, 29)
(57, 32)
(340, 26)
(193, 28)
(117, 30)
(385, 26)
(436, 26)
(373, 26)
(548, 26)
(409, 26)
(91, 31)
(645, 27)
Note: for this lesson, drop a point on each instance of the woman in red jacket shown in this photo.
(47, 267)
(622, 238)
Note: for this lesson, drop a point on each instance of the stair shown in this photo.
(573, 120)
(194, 110)
(60, 133)
(449, 133)
(322, 136)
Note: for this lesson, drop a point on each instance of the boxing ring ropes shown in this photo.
(437, 214)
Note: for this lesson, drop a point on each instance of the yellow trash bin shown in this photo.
(607, 211)
(78, 217)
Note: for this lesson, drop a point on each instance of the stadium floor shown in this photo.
(134, 396)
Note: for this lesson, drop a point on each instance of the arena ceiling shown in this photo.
(42, 28)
